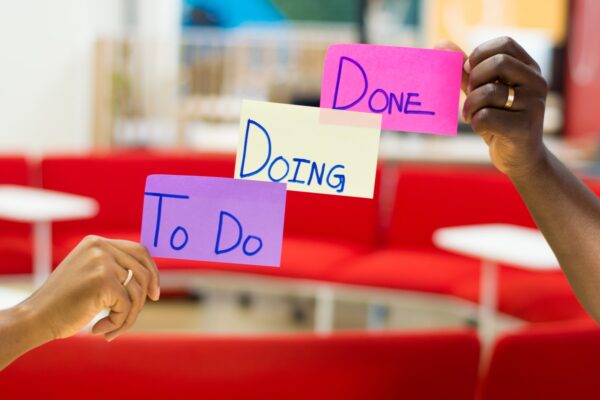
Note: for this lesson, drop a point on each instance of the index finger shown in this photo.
(140, 253)
(501, 45)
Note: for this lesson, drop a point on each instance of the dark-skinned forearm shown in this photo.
(568, 214)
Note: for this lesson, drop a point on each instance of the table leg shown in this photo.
(325, 309)
(488, 300)
(42, 252)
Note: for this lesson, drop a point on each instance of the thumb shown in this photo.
(451, 46)
(103, 326)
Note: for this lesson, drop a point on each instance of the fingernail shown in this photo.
(467, 66)
(157, 294)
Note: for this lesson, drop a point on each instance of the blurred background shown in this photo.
(126, 73)
(96, 95)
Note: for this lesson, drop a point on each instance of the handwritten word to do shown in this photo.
(213, 219)
(310, 149)
(415, 90)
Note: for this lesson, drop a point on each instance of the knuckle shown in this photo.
(481, 119)
(490, 90)
(93, 240)
(483, 115)
(97, 254)
(500, 60)
(145, 275)
(101, 275)
(104, 271)
(507, 42)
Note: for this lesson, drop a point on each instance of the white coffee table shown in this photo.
(11, 297)
(523, 248)
(41, 207)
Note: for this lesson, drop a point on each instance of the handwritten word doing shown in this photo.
(379, 101)
(180, 237)
(279, 168)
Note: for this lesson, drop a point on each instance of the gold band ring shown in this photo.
(510, 100)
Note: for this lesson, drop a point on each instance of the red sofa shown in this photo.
(15, 238)
(416, 366)
(326, 238)
(551, 362)
(430, 197)
(116, 181)
(321, 232)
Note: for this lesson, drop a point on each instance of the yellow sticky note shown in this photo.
(310, 149)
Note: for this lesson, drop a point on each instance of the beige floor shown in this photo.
(244, 304)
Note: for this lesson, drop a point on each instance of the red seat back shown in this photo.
(550, 363)
(15, 238)
(355, 366)
(431, 197)
(330, 217)
(117, 180)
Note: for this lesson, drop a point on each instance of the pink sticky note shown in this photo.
(214, 219)
(415, 90)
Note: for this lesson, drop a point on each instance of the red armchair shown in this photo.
(417, 366)
(15, 238)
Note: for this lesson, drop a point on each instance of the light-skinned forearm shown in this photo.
(568, 214)
(20, 331)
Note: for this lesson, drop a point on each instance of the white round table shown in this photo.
(11, 297)
(521, 247)
(41, 207)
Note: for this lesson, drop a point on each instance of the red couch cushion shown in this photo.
(15, 238)
(427, 270)
(330, 217)
(302, 257)
(351, 366)
(325, 229)
(551, 363)
(431, 197)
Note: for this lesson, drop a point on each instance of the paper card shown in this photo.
(415, 90)
(214, 219)
(308, 148)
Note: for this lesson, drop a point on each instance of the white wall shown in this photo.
(46, 50)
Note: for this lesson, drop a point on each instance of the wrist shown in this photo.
(538, 162)
(29, 320)
(20, 331)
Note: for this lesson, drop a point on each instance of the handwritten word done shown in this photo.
(380, 100)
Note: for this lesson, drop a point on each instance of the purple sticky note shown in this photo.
(214, 219)
(415, 90)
